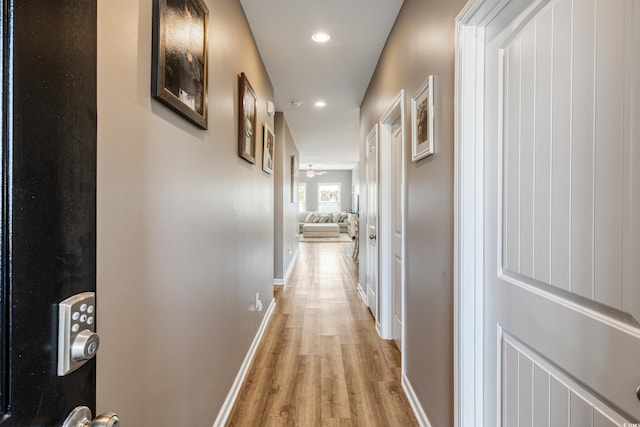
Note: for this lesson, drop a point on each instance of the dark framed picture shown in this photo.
(422, 121)
(179, 74)
(268, 147)
(247, 121)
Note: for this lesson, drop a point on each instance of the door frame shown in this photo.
(395, 112)
(468, 214)
(469, 210)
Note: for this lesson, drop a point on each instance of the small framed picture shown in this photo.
(268, 146)
(247, 121)
(422, 121)
(179, 63)
(294, 175)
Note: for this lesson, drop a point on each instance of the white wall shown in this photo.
(185, 226)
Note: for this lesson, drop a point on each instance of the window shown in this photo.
(328, 197)
(302, 197)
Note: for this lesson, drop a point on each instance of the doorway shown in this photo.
(391, 221)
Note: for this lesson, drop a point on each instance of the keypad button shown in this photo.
(83, 307)
(83, 318)
(90, 309)
(75, 327)
(75, 315)
(90, 321)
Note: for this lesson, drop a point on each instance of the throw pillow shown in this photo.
(309, 217)
(316, 217)
(335, 217)
(325, 218)
(343, 216)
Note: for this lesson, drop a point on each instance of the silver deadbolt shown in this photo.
(81, 417)
(638, 392)
(77, 338)
(85, 345)
(372, 236)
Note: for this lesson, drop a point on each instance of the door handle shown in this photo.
(81, 417)
(372, 236)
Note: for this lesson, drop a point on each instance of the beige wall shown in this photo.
(185, 226)
(422, 43)
(286, 211)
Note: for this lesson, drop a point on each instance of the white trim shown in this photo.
(468, 212)
(362, 293)
(418, 411)
(292, 264)
(395, 111)
(287, 275)
(227, 406)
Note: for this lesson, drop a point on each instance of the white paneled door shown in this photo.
(371, 235)
(397, 230)
(562, 209)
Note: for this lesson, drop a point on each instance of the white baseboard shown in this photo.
(362, 293)
(418, 411)
(291, 265)
(282, 282)
(227, 406)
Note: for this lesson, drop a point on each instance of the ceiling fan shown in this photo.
(311, 173)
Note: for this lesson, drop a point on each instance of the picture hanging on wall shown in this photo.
(268, 147)
(422, 121)
(179, 63)
(247, 120)
(294, 175)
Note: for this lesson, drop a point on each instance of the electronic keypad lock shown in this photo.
(77, 338)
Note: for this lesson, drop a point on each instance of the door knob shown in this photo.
(372, 236)
(81, 417)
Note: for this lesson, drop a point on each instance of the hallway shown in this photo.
(321, 362)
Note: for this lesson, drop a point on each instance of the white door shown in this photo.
(371, 235)
(562, 202)
(396, 195)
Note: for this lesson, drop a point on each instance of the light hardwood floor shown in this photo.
(321, 362)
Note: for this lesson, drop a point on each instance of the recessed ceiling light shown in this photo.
(320, 37)
(296, 104)
(320, 104)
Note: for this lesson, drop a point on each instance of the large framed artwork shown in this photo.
(422, 121)
(247, 120)
(268, 147)
(179, 66)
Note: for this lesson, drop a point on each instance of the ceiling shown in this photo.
(337, 72)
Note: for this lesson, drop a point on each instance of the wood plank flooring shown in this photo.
(321, 362)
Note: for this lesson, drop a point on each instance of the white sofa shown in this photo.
(340, 218)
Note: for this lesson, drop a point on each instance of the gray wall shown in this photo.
(185, 226)
(422, 43)
(286, 211)
(336, 176)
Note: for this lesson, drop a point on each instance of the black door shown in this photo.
(48, 201)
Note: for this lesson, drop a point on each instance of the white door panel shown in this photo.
(562, 197)
(397, 195)
(372, 222)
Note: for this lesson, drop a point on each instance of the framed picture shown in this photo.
(247, 121)
(294, 175)
(268, 146)
(179, 63)
(422, 121)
